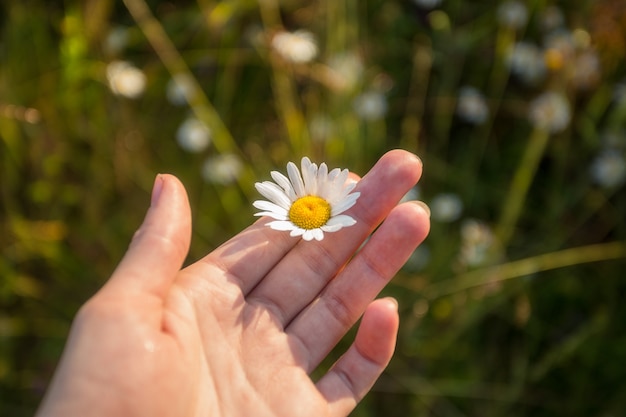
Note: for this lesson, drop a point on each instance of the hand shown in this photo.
(238, 332)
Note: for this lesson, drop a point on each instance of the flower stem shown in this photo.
(525, 267)
(514, 202)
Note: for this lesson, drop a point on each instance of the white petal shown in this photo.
(322, 172)
(337, 222)
(267, 206)
(282, 225)
(333, 174)
(309, 174)
(305, 162)
(328, 190)
(296, 179)
(345, 204)
(311, 234)
(322, 180)
(283, 181)
(273, 193)
(331, 228)
(341, 179)
(348, 187)
(335, 187)
(297, 231)
(271, 214)
(318, 234)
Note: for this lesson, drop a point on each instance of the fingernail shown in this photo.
(424, 206)
(393, 300)
(156, 189)
(414, 155)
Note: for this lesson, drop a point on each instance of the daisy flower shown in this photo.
(125, 79)
(298, 47)
(550, 111)
(472, 106)
(513, 14)
(310, 204)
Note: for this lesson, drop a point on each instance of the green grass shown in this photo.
(520, 315)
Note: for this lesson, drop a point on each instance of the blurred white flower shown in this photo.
(586, 69)
(193, 135)
(513, 14)
(349, 67)
(608, 169)
(180, 89)
(550, 111)
(446, 207)
(477, 242)
(321, 127)
(298, 47)
(472, 106)
(571, 54)
(559, 49)
(371, 105)
(222, 169)
(125, 79)
(526, 62)
(427, 4)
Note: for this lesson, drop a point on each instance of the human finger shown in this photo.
(341, 303)
(353, 375)
(160, 246)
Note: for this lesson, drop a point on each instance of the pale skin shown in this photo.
(238, 332)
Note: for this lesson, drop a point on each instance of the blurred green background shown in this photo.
(514, 306)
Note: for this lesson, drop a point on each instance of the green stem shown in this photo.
(514, 202)
(524, 267)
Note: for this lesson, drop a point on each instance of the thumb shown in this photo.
(160, 246)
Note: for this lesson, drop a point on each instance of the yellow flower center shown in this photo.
(309, 212)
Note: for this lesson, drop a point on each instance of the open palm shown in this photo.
(238, 332)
